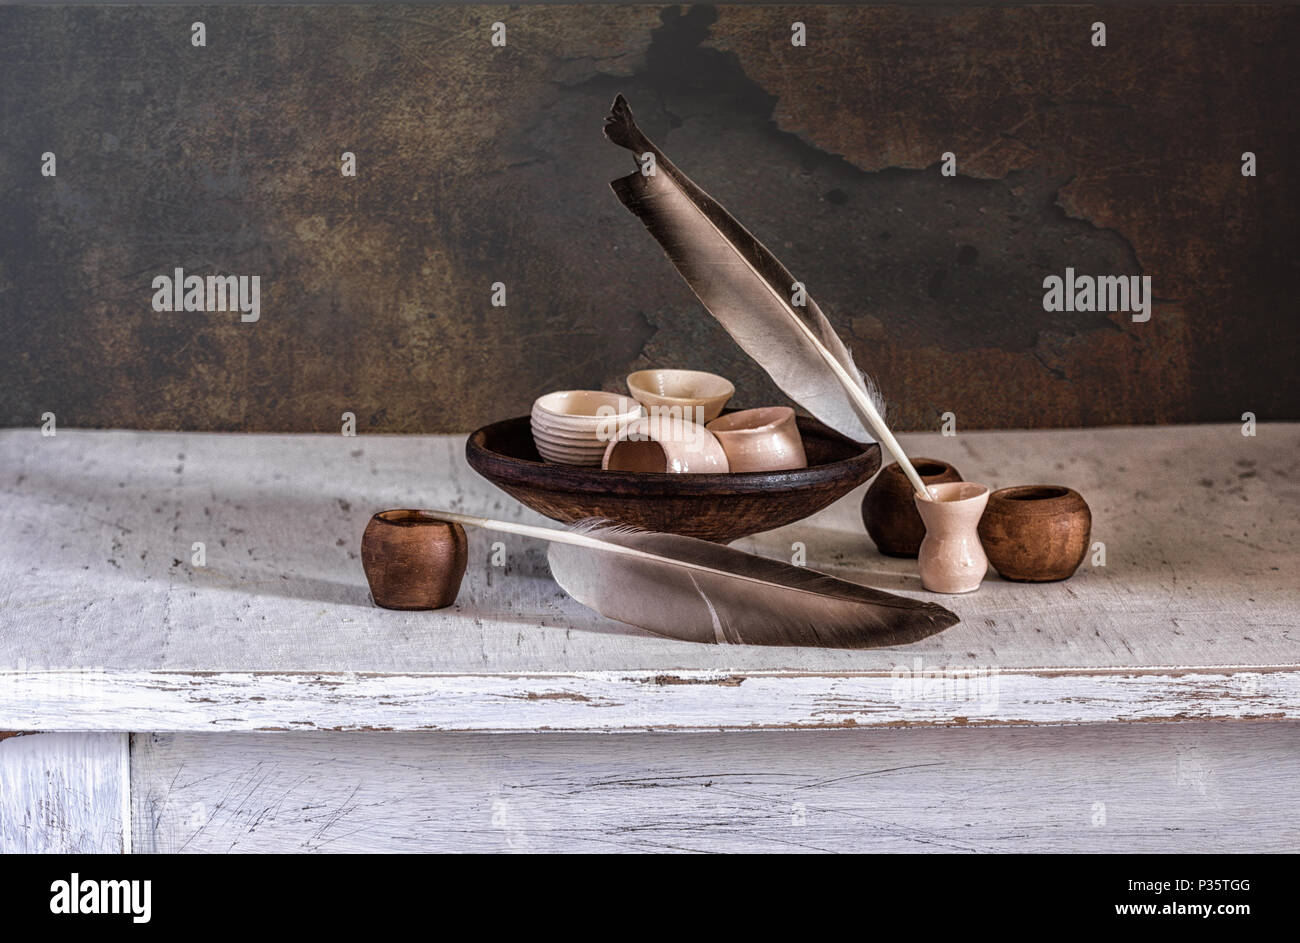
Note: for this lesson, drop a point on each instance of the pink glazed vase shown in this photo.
(951, 558)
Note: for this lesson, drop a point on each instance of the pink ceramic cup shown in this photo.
(951, 558)
(671, 446)
(760, 440)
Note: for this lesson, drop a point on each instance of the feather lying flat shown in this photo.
(697, 591)
(751, 293)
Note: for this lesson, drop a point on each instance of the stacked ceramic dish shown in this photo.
(672, 423)
(667, 458)
(574, 427)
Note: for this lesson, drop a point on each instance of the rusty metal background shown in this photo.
(479, 164)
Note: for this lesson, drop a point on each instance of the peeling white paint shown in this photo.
(611, 701)
(64, 793)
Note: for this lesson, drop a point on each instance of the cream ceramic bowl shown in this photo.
(568, 451)
(663, 445)
(760, 440)
(697, 396)
(583, 411)
(566, 441)
(561, 455)
(574, 427)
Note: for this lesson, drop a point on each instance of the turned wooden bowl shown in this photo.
(1036, 533)
(719, 507)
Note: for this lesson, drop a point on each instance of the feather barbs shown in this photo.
(746, 288)
(693, 590)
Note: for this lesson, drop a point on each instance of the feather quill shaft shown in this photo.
(694, 590)
(749, 292)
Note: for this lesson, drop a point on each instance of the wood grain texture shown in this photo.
(412, 560)
(64, 793)
(625, 701)
(1201, 528)
(1036, 533)
(1193, 788)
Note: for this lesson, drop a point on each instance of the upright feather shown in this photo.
(697, 591)
(751, 293)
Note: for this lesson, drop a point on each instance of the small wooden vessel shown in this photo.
(1036, 533)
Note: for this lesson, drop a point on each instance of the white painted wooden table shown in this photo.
(109, 627)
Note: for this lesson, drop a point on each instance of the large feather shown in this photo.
(750, 292)
(697, 591)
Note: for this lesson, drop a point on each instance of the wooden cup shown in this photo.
(1036, 533)
(412, 560)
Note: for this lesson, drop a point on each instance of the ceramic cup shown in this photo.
(574, 427)
(759, 440)
(889, 512)
(951, 559)
(412, 560)
(1036, 533)
(694, 395)
(656, 444)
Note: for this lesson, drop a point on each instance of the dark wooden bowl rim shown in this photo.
(926, 467)
(643, 484)
(404, 517)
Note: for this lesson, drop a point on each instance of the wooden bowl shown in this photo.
(713, 507)
(1036, 533)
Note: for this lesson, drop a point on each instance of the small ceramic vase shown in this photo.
(694, 395)
(1036, 533)
(412, 560)
(659, 445)
(951, 559)
(889, 513)
(760, 440)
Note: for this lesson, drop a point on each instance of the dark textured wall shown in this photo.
(478, 165)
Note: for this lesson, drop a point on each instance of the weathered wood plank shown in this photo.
(1201, 526)
(175, 701)
(64, 793)
(1191, 788)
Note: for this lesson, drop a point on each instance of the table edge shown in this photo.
(638, 700)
